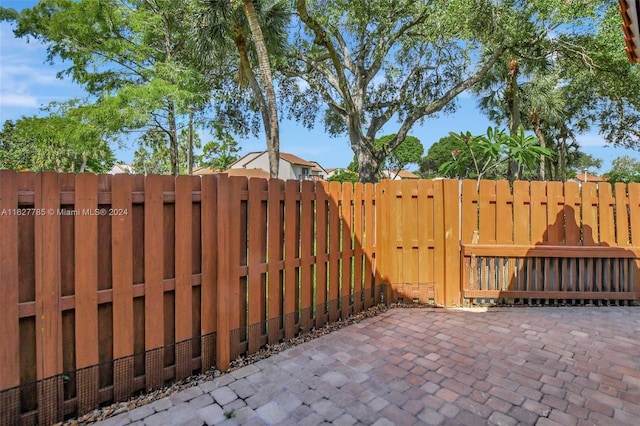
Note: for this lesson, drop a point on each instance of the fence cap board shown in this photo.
(544, 250)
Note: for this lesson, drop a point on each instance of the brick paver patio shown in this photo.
(507, 366)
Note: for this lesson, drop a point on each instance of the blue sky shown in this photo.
(27, 82)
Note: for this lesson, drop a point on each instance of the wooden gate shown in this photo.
(418, 248)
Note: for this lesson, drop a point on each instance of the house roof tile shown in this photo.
(250, 173)
(630, 11)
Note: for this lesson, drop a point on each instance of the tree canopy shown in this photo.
(253, 30)
(363, 67)
(371, 62)
(220, 153)
(57, 143)
(133, 58)
(624, 169)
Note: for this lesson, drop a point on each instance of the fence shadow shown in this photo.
(572, 264)
(307, 256)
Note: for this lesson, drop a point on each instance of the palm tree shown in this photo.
(225, 25)
(543, 105)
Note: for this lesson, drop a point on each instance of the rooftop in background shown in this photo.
(119, 168)
(291, 166)
(399, 174)
(630, 11)
(586, 177)
(250, 173)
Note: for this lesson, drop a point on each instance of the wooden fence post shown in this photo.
(225, 275)
(122, 249)
(184, 288)
(86, 291)
(209, 285)
(48, 316)
(154, 275)
(9, 315)
(451, 219)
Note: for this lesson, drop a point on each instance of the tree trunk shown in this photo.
(273, 133)
(538, 131)
(173, 140)
(368, 167)
(171, 107)
(83, 165)
(190, 153)
(563, 154)
(512, 96)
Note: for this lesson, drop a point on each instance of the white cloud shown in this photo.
(302, 85)
(18, 100)
(26, 81)
(24, 74)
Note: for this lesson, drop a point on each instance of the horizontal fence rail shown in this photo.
(114, 285)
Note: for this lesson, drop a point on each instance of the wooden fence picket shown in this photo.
(10, 290)
(291, 235)
(257, 285)
(322, 256)
(209, 282)
(334, 251)
(307, 285)
(370, 244)
(183, 272)
(86, 291)
(346, 213)
(358, 238)
(275, 267)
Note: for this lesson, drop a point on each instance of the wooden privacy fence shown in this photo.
(117, 284)
(454, 242)
(113, 285)
(549, 240)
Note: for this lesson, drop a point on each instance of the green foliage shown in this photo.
(344, 175)
(488, 153)
(579, 162)
(221, 153)
(408, 152)
(568, 79)
(57, 142)
(257, 33)
(624, 169)
(154, 157)
(15, 151)
(525, 150)
(135, 60)
(442, 151)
